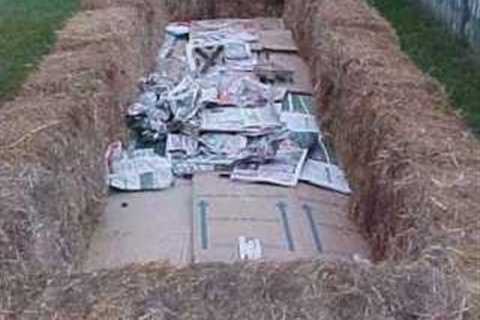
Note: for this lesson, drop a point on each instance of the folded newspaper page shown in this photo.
(184, 99)
(202, 163)
(298, 103)
(299, 122)
(139, 170)
(181, 145)
(223, 120)
(246, 92)
(303, 127)
(217, 152)
(321, 171)
(297, 116)
(237, 50)
(263, 148)
(224, 143)
(234, 119)
(284, 169)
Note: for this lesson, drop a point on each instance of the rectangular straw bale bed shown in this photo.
(413, 167)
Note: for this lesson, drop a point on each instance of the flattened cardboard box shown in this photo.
(288, 227)
(278, 40)
(225, 210)
(144, 226)
(270, 23)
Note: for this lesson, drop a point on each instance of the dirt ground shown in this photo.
(414, 168)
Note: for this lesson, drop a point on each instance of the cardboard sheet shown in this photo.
(224, 211)
(278, 40)
(270, 23)
(288, 223)
(325, 214)
(256, 24)
(144, 227)
(301, 77)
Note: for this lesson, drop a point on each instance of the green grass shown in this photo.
(27, 32)
(438, 53)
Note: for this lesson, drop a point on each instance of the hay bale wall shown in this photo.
(413, 164)
(52, 141)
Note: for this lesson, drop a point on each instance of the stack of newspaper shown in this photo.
(206, 108)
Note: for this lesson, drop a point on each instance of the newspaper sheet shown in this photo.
(298, 122)
(223, 120)
(203, 163)
(283, 170)
(237, 50)
(261, 119)
(226, 144)
(140, 170)
(298, 103)
(233, 119)
(217, 152)
(211, 152)
(319, 170)
(296, 115)
(184, 99)
(246, 92)
(182, 145)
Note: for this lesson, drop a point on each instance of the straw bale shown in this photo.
(300, 290)
(98, 26)
(405, 149)
(52, 143)
(413, 163)
(85, 58)
(150, 15)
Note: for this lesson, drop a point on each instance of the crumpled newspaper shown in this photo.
(205, 108)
